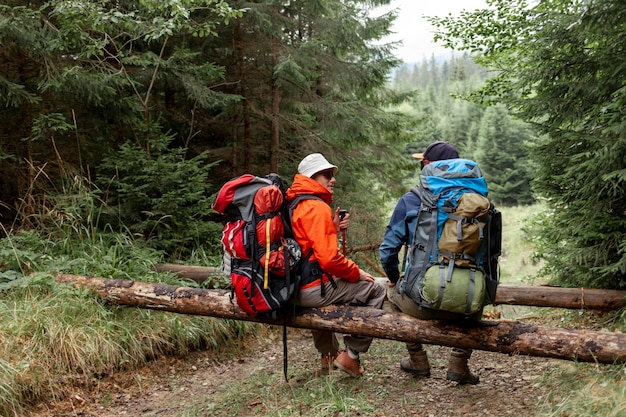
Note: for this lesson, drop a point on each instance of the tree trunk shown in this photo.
(538, 296)
(498, 336)
(245, 102)
(275, 116)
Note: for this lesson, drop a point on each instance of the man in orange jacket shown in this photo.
(335, 278)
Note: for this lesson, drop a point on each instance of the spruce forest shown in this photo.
(121, 120)
(139, 111)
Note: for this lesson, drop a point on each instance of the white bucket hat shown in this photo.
(314, 163)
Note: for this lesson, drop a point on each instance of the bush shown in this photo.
(159, 195)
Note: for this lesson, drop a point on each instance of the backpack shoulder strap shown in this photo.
(288, 211)
(425, 240)
(416, 191)
(305, 258)
(301, 197)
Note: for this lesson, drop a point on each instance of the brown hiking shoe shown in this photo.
(458, 371)
(328, 359)
(416, 363)
(462, 379)
(350, 366)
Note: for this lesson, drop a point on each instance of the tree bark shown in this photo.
(535, 296)
(245, 102)
(573, 298)
(276, 98)
(498, 336)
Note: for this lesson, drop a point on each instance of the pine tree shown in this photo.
(81, 78)
(260, 88)
(503, 158)
(315, 80)
(561, 66)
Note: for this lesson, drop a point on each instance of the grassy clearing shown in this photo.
(53, 336)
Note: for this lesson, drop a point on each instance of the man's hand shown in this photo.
(341, 220)
(365, 276)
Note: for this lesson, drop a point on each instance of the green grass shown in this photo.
(265, 393)
(517, 263)
(10, 393)
(585, 390)
(53, 335)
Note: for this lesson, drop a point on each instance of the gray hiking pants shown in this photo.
(401, 302)
(361, 293)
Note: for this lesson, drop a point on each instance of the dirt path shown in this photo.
(509, 385)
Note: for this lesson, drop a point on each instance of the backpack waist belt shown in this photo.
(315, 283)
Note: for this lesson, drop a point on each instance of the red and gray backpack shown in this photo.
(265, 258)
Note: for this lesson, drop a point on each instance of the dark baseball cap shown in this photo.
(438, 151)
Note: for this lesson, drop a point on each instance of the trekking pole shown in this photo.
(342, 214)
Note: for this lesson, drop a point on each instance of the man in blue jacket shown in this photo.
(398, 233)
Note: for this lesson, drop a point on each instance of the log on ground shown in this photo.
(504, 336)
(572, 298)
(534, 296)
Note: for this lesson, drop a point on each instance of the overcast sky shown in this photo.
(416, 33)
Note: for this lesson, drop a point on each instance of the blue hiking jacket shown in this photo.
(398, 232)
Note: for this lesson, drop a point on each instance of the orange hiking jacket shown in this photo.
(313, 228)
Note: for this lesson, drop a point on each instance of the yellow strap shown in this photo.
(266, 280)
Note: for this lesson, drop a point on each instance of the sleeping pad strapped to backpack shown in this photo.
(457, 240)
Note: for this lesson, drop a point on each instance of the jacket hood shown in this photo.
(306, 185)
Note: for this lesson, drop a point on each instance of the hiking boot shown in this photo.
(350, 366)
(416, 363)
(328, 359)
(458, 371)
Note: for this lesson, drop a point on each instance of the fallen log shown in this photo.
(572, 298)
(534, 296)
(498, 336)
(199, 274)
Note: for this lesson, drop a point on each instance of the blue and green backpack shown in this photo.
(457, 240)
